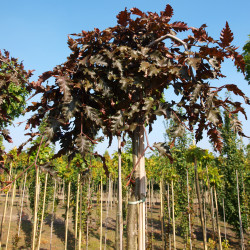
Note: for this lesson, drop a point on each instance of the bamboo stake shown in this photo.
(173, 217)
(35, 209)
(101, 217)
(87, 222)
(224, 217)
(6, 197)
(204, 209)
(67, 217)
(76, 213)
(212, 211)
(151, 214)
(80, 226)
(43, 209)
(53, 215)
(211, 203)
(169, 218)
(217, 218)
(200, 205)
(107, 214)
(120, 222)
(5, 207)
(241, 229)
(162, 215)
(189, 215)
(22, 201)
(11, 209)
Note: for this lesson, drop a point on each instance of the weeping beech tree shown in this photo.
(115, 80)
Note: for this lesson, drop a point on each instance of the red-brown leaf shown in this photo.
(215, 138)
(226, 36)
(42, 78)
(137, 12)
(179, 26)
(168, 11)
(123, 17)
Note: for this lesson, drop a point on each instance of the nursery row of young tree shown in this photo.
(216, 187)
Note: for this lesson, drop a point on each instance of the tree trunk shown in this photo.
(217, 218)
(119, 204)
(173, 217)
(132, 204)
(200, 205)
(53, 215)
(189, 215)
(43, 209)
(77, 209)
(67, 217)
(240, 221)
(35, 209)
(11, 209)
(142, 194)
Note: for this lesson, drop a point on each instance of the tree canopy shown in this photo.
(246, 54)
(115, 80)
(14, 89)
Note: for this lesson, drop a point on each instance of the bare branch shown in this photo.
(169, 36)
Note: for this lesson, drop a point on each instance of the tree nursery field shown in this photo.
(115, 83)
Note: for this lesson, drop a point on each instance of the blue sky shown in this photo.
(36, 33)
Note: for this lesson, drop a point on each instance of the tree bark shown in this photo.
(142, 194)
(132, 204)
(119, 204)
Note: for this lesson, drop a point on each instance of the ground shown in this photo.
(109, 223)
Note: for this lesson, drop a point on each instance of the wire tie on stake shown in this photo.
(137, 202)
